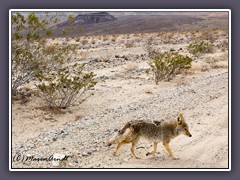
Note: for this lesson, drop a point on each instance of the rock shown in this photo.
(85, 153)
(172, 49)
(53, 132)
(57, 159)
(63, 135)
(54, 138)
(143, 69)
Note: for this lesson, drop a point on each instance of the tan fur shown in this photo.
(157, 131)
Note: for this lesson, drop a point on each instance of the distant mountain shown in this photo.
(92, 18)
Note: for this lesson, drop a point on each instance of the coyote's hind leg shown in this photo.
(154, 149)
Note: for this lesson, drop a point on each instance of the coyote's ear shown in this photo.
(180, 116)
(179, 120)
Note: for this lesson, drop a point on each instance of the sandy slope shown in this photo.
(204, 102)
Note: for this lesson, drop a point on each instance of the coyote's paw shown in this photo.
(174, 158)
(137, 157)
(150, 153)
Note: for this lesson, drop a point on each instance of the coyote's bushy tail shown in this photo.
(121, 134)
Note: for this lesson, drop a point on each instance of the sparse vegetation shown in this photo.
(84, 42)
(168, 37)
(129, 44)
(27, 48)
(60, 84)
(131, 66)
(224, 45)
(199, 47)
(64, 87)
(167, 66)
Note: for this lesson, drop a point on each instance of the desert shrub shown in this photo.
(150, 41)
(131, 66)
(199, 47)
(167, 66)
(77, 39)
(60, 84)
(168, 37)
(209, 35)
(216, 62)
(84, 42)
(224, 45)
(26, 47)
(105, 38)
(129, 45)
(64, 87)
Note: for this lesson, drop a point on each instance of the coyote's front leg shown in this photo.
(166, 145)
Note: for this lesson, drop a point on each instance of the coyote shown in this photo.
(156, 131)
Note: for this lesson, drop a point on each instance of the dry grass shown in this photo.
(84, 42)
(220, 64)
(200, 67)
(129, 44)
(83, 55)
(131, 66)
(210, 62)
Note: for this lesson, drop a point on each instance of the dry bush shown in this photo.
(84, 42)
(211, 59)
(223, 56)
(131, 66)
(150, 41)
(77, 39)
(210, 35)
(105, 38)
(64, 87)
(223, 33)
(129, 44)
(168, 37)
(200, 47)
(210, 62)
(224, 45)
(220, 64)
(214, 59)
(199, 67)
(83, 55)
(167, 66)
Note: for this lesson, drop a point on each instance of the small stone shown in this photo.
(57, 159)
(71, 164)
(85, 153)
(63, 136)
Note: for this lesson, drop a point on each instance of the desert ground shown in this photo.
(126, 92)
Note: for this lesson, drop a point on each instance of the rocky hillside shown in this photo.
(92, 18)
